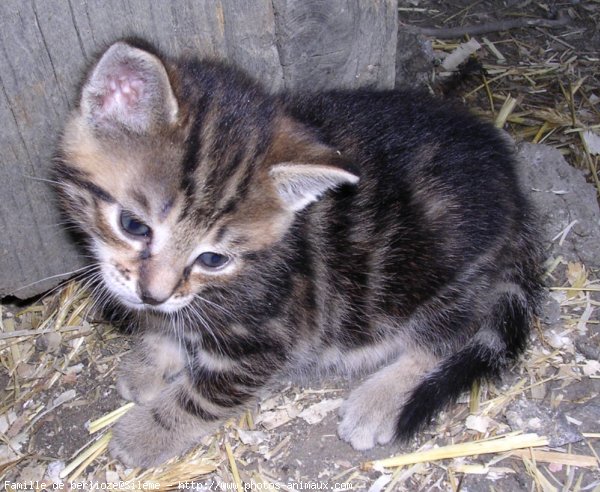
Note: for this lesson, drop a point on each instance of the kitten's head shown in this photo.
(178, 171)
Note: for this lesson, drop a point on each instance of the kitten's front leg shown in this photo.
(213, 389)
(154, 362)
(151, 433)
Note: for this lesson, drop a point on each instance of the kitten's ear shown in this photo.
(128, 87)
(299, 184)
(303, 168)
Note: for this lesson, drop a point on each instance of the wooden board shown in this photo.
(46, 46)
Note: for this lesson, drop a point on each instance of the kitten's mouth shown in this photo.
(144, 306)
(162, 308)
(138, 305)
(168, 306)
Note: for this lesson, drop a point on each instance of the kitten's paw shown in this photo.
(365, 423)
(370, 413)
(142, 439)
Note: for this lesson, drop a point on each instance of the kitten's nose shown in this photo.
(147, 298)
(158, 279)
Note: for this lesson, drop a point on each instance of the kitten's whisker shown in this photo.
(201, 316)
(77, 278)
(82, 279)
(180, 335)
(43, 180)
(51, 277)
(218, 306)
(64, 225)
(97, 295)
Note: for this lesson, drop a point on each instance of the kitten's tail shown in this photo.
(501, 339)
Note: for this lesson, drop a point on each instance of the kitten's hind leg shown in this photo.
(369, 415)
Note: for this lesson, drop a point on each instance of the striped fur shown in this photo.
(359, 231)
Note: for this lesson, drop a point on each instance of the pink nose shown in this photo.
(149, 299)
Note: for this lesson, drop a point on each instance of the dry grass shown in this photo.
(517, 100)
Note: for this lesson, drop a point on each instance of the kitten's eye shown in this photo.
(132, 225)
(212, 260)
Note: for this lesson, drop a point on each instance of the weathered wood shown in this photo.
(46, 45)
(324, 45)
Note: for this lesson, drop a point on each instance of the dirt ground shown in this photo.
(60, 375)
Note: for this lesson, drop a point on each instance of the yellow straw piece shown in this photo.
(474, 397)
(234, 468)
(505, 111)
(582, 289)
(499, 445)
(85, 458)
(109, 418)
(567, 459)
(541, 481)
(249, 420)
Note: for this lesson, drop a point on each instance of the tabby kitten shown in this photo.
(255, 236)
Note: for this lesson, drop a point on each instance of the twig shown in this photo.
(502, 25)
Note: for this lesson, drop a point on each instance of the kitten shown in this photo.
(253, 236)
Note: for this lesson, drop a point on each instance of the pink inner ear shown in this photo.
(123, 92)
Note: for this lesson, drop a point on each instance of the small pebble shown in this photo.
(49, 342)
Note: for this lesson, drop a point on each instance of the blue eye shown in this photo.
(212, 260)
(132, 225)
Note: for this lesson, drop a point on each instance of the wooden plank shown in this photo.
(45, 47)
(251, 40)
(338, 43)
(242, 32)
(32, 245)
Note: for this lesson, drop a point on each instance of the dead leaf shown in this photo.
(317, 412)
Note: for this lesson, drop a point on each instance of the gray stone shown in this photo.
(550, 311)
(562, 196)
(589, 347)
(529, 416)
(49, 342)
(589, 412)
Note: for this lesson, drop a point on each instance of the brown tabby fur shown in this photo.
(253, 236)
